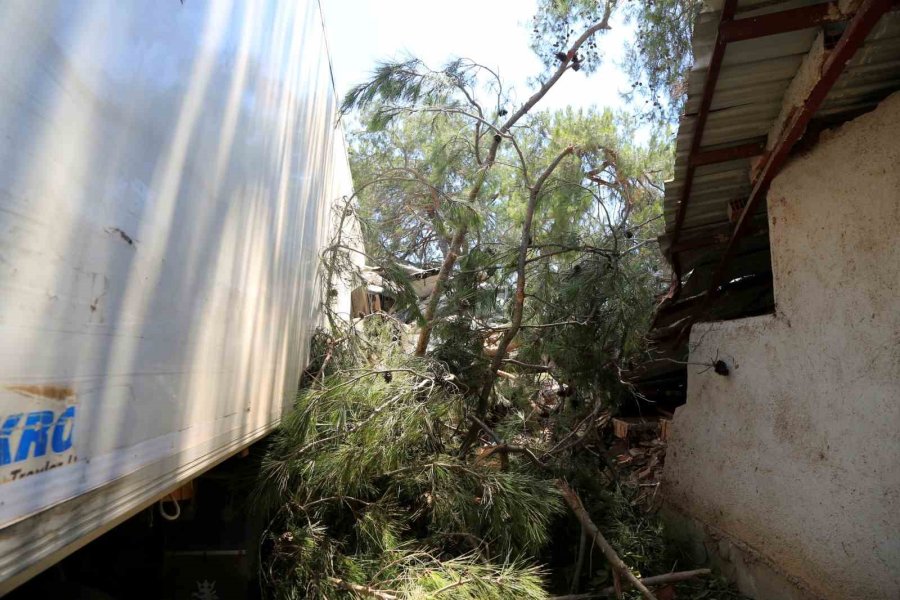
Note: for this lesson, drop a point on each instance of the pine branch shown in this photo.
(519, 301)
(362, 589)
(563, 66)
(564, 444)
(579, 562)
(518, 363)
(460, 236)
(506, 448)
(574, 502)
(664, 579)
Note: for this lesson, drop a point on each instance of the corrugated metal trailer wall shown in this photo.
(166, 173)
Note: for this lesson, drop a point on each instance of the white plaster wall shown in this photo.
(796, 453)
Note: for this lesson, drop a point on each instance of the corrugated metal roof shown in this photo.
(747, 100)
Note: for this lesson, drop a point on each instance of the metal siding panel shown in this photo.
(166, 175)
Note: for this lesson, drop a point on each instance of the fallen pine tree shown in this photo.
(436, 447)
(368, 495)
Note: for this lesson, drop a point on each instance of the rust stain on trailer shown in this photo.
(53, 392)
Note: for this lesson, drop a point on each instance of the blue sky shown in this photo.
(491, 32)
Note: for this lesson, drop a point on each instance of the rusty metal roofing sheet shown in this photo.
(748, 98)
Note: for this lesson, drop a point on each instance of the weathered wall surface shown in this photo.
(796, 454)
(166, 176)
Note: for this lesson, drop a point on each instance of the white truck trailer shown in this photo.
(167, 169)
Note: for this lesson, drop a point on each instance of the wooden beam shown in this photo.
(736, 298)
(868, 15)
(707, 242)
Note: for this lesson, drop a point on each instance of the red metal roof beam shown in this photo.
(719, 155)
(781, 22)
(794, 19)
(709, 87)
(865, 19)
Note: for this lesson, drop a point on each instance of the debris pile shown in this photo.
(639, 452)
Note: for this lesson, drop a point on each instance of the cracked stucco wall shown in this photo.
(796, 455)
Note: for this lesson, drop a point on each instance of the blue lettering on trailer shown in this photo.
(36, 434)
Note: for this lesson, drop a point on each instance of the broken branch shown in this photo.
(362, 589)
(579, 562)
(519, 299)
(574, 501)
(655, 580)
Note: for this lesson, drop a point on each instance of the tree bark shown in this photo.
(519, 300)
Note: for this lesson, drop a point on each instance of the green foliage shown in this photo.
(601, 266)
(412, 174)
(471, 301)
(369, 484)
(509, 510)
(555, 25)
(594, 267)
(309, 565)
(396, 280)
(657, 56)
(362, 486)
(393, 82)
(464, 578)
(661, 56)
(398, 86)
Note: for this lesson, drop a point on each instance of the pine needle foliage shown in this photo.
(466, 578)
(395, 87)
(434, 474)
(657, 57)
(366, 491)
